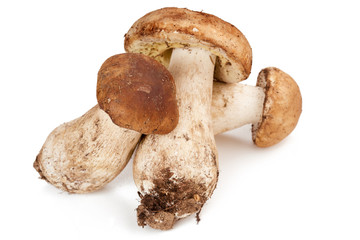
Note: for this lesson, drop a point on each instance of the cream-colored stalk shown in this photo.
(176, 173)
(235, 105)
(85, 154)
(273, 107)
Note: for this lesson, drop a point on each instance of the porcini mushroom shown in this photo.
(273, 107)
(138, 93)
(85, 154)
(176, 173)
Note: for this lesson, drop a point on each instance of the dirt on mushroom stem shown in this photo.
(176, 173)
(168, 199)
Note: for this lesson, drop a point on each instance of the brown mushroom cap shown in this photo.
(282, 107)
(138, 93)
(156, 33)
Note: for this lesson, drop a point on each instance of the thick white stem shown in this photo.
(193, 70)
(235, 105)
(85, 154)
(186, 158)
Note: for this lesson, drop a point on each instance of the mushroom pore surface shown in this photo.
(156, 33)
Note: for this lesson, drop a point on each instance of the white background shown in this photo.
(306, 187)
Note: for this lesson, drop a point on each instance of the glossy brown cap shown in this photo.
(282, 107)
(156, 33)
(138, 93)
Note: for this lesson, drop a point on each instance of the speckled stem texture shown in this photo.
(176, 173)
(83, 155)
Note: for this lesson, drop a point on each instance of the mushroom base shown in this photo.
(169, 200)
(83, 155)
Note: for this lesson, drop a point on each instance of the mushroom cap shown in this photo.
(138, 93)
(282, 107)
(156, 33)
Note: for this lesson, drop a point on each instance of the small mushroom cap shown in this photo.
(282, 107)
(138, 93)
(156, 33)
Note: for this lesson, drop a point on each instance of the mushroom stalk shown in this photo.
(235, 105)
(176, 173)
(193, 71)
(85, 154)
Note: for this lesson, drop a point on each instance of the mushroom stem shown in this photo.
(85, 154)
(235, 105)
(176, 173)
(192, 70)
